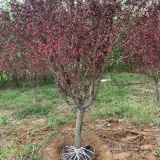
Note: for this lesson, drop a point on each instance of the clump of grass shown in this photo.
(4, 120)
(31, 151)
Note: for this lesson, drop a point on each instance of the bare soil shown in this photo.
(112, 140)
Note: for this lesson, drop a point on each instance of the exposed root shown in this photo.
(83, 153)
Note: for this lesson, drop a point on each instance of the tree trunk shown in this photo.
(144, 78)
(131, 67)
(35, 93)
(15, 79)
(1, 76)
(44, 79)
(78, 128)
(33, 85)
(60, 98)
(108, 67)
(8, 76)
(157, 90)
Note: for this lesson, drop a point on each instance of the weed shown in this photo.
(4, 120)
(31, 152)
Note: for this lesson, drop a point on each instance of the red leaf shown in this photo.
(48, 31)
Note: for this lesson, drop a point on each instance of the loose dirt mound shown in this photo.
(112, 140)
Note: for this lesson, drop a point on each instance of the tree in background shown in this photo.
(144, 46)
(17, 60)
(74, 39)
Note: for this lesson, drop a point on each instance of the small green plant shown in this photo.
(31, 152)
(4, 120)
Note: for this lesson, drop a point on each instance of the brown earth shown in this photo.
(112, 140)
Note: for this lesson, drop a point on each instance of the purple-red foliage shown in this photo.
(143, 48)
(143, 41)
(73, 41)
(16, 58)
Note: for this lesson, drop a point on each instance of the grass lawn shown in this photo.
(21, 114)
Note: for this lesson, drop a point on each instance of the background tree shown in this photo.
(18, 60)
(144, 47)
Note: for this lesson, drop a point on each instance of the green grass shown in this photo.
(18, 106)
(4, 120)
(29, 151)
(136, 103)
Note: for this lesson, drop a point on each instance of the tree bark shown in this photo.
(35, 93)
(60, 98)
(144, 78)
(44, 79)
(1, 73)
(78, 139)
(33, 85)
(131, 67)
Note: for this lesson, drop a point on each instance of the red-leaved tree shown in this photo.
(16, 58)
(144, 46)
(74, 39)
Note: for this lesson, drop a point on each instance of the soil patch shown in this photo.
(112, 140)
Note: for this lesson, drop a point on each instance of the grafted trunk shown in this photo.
(78, 139)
